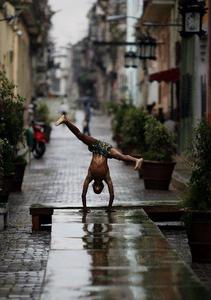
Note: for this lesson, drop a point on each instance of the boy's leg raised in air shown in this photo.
(86, 139)
(114, 153)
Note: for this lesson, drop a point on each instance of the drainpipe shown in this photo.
(15, 60)
(208, 108)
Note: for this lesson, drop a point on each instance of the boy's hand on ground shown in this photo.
(85, 210)
(110, 209)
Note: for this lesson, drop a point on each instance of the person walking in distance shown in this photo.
(63, 108)
(87, 117)
(98, 170)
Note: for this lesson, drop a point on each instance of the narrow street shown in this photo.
(134, 74)
(57, 179)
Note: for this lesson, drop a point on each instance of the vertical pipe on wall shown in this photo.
(15, 61)
(208, 106)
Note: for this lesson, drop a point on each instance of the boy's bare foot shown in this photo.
(61, 120)
(138, 164)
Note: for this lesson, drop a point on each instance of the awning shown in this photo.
(171, 75)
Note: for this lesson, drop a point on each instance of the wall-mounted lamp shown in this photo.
(192, 12)
(147, 48)
(131, 59)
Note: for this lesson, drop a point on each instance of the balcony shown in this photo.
(157, 10)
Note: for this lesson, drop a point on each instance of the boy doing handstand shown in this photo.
(98, 170)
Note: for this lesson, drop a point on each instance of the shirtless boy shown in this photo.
(98, 170)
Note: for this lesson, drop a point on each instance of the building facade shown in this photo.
(23, 46)
(177, 80)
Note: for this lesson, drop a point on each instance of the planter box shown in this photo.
(41, 215)
(4, 196)
(164, 213)
(3, 215)
(199, 236)
(157, 175)
(6, 189)
(18, 176)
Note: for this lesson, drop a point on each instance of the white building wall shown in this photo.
(153, 92)
(134, 9)
(62, 74)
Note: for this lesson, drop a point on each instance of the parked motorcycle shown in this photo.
(39, 140)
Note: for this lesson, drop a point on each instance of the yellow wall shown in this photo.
(24, 64)
(15, 57)
(6, 47)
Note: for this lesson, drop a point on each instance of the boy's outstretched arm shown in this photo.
(111, 192)
(114, 153)
(87, 181)
(86, 139)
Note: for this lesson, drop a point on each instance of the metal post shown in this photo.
(208, 106)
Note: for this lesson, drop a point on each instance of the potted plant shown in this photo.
(197, 199)
(158, 162)
(19, 159)
(19, 170)
(1, 167)
(133, 133)
(11, 111)
(132, 130)
(11, 126)
(119, 111)
(7, 155)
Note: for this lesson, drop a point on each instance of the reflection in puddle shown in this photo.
(110, 261)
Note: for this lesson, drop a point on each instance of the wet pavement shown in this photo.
(57, 179)
(121, 255)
